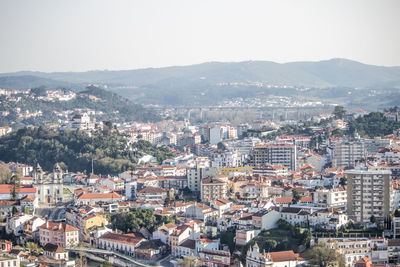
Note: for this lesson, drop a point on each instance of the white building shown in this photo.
(256, 258)
(49, 187)
(16, 224)
(345, 153)
(276, 154)
(369, 192)
(122, 243)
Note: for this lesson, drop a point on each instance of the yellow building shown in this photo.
(95, 219)
(231, 171)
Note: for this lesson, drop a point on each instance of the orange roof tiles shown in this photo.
(58, 227)
(112, 195)
(306, 199)
(283, 200)
(280, 256)
(7, 189)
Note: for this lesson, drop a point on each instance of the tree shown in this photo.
(397, 213)
(106, 264)
(306, 238)
(296, 196)
(339, 112)
(167, 201)
(5, 173)
(34, 247)
(15, 184)
(323, 256)
(372, 219)
(39, 91)
(82, 260)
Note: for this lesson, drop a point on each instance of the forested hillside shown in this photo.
(75, 150)
(373, 125)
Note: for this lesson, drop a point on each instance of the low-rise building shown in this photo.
(95, 198)
(151, 194)
(242, 237)
(257, 258)
(125, 243)
(61, 234)
(9, 260)
(213, 188)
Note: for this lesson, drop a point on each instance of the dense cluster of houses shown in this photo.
(215, 184)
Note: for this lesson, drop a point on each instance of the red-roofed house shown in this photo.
(272, 259)
(283, 201)
(94, 198)
(61, 234)
(121, 243)
(163, 232)
(6, 191)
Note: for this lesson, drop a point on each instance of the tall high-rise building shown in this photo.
(275, 154)
(347, 153)
(369, 192)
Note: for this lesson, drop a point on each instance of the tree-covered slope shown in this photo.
(75, 150)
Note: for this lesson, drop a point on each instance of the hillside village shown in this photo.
(231, 195)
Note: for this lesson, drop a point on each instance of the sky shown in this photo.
(82, 35)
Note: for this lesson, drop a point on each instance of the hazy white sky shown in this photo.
(79, 35)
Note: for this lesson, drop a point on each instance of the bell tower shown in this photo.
(38, 175)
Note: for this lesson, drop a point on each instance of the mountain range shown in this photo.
(197, 83)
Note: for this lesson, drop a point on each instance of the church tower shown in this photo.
(38, 175)
(57, 174)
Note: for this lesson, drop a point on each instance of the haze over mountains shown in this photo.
(160, 85)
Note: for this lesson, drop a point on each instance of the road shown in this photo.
(51, 214)
(165, 262)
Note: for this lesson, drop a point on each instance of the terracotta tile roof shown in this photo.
(53, 248)
(306, 199)
(28, 198)
(170, 225)
(58, 227)
(151, 190)
(7, 189)
(280, 256)
(364, 260)
(131, 239)
(283, 200)
(112, 195)
(202, 206)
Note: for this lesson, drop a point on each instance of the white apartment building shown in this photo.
(227, 159)
(369, 192)
(333, 198)
(276, 154)
(212, 189)
(345, 153)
